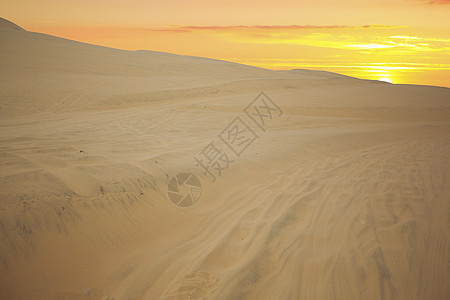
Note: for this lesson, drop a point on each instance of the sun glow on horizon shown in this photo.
(385, 79)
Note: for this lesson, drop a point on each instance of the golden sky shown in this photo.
(405, 41)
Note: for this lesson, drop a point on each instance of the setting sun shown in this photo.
(385, 80)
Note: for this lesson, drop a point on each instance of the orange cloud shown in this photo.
(438, 1)
(266, 27)
(431, 1)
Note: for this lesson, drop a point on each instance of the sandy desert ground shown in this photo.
(345, 195)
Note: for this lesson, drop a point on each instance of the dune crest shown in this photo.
(8, 24)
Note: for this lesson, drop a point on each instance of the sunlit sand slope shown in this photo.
(343, 193)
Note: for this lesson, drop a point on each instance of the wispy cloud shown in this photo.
(177, 28)
(269, 27)
(438, 1)
(357, 38)
(431, 1)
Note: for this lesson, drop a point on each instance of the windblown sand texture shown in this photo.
(344, 196)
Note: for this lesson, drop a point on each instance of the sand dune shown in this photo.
(343, 196)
